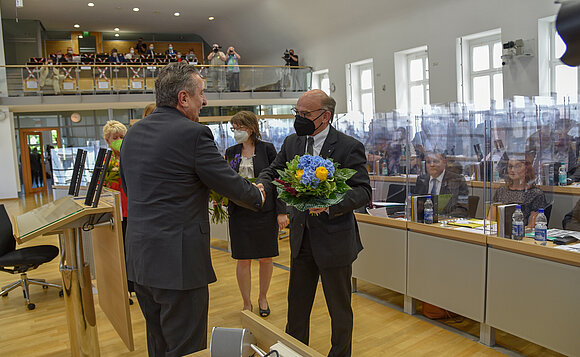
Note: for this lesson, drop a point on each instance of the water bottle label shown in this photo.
(540, 234)
(428, 216)
(517, 230)
(562, 179)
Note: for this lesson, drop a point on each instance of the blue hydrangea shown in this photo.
(309, 164)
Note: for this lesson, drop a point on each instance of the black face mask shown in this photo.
(305, 126)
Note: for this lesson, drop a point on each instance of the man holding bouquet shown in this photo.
(324, 240)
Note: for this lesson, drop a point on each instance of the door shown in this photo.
(35, 145)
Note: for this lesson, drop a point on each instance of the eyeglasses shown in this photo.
(305, 113)
(239, 128)
(515, 166)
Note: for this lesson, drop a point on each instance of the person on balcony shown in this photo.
(233, 70)
(49, 74)
(115, 57)
(170, 50)
(216, 75)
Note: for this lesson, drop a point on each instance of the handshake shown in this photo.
(262, 191)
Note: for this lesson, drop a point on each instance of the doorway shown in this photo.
(35, 146)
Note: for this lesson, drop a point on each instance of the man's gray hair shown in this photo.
(329, 104)
(172, 79)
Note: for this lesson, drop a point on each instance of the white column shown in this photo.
(3, 83)
(8, 160)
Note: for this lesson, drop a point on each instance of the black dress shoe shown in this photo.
(265, 312)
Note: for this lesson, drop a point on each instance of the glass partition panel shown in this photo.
(441, 192)
(275, 130)
(538, 172)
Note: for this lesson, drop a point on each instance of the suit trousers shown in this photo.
(176, 320)
(336, 284)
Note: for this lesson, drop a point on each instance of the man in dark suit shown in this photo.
(441, 181)
(169, 162)
(324, 241)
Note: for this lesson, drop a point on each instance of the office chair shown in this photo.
(19, 261)
(472, 202)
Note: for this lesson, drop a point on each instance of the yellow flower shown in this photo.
(321, 173)
(299, 174)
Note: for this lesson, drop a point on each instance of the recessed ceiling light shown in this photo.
(76, 26)
(116, 29)
(116, 35)
(135, 9)
(91, 4)
(176, 14)
(211, 18)
(80, 36)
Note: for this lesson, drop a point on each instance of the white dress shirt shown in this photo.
(438, 183)
(318, 141)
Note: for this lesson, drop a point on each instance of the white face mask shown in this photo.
(132, 51)
(241, 136)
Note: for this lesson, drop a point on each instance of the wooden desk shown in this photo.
(267, 334)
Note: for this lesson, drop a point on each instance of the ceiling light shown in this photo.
(176, 14)
(135, 9)
(91, 4)
(80, 36)
(211, 18)
(116, 29)
(116, 35)
(76, 26)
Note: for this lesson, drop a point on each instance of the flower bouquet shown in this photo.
(311, 182)
(218, 202)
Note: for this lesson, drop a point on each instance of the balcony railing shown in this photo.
(128, 78)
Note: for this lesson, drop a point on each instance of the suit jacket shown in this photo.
(453, 184)
(264, 155)
(168, 165)
(334, 237)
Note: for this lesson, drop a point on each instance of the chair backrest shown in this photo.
(472, 202)
(548, 212)
(7, 242)
(396, 193)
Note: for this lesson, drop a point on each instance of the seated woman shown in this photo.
(520, 188)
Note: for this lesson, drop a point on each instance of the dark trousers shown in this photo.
(234, 81)
(130, 286)
(336, 283)
(176, 320)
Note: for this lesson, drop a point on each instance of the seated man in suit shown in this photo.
(440, 181)
(116, 57)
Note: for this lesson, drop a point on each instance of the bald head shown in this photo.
(320, 98)
(319, 108)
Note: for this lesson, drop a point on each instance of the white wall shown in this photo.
(8, 164)
(436, 26)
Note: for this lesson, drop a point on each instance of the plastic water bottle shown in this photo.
(428, 211)
(541, 230)
(518, 224)
(562, 175)
(495, 174)
(384, 168)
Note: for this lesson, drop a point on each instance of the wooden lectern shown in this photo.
(68, 217)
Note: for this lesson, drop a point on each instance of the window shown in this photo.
(321, 80)
(563, 78)
(412, 79)
(418, 74)
(360, 87)
(481, 77)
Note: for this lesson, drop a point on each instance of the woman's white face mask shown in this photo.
(241, 136)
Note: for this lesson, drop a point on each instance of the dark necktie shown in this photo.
(310, 146)
(434, 188)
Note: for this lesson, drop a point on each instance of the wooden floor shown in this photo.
(379, 330)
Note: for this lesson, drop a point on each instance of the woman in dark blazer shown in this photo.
(254, 235)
